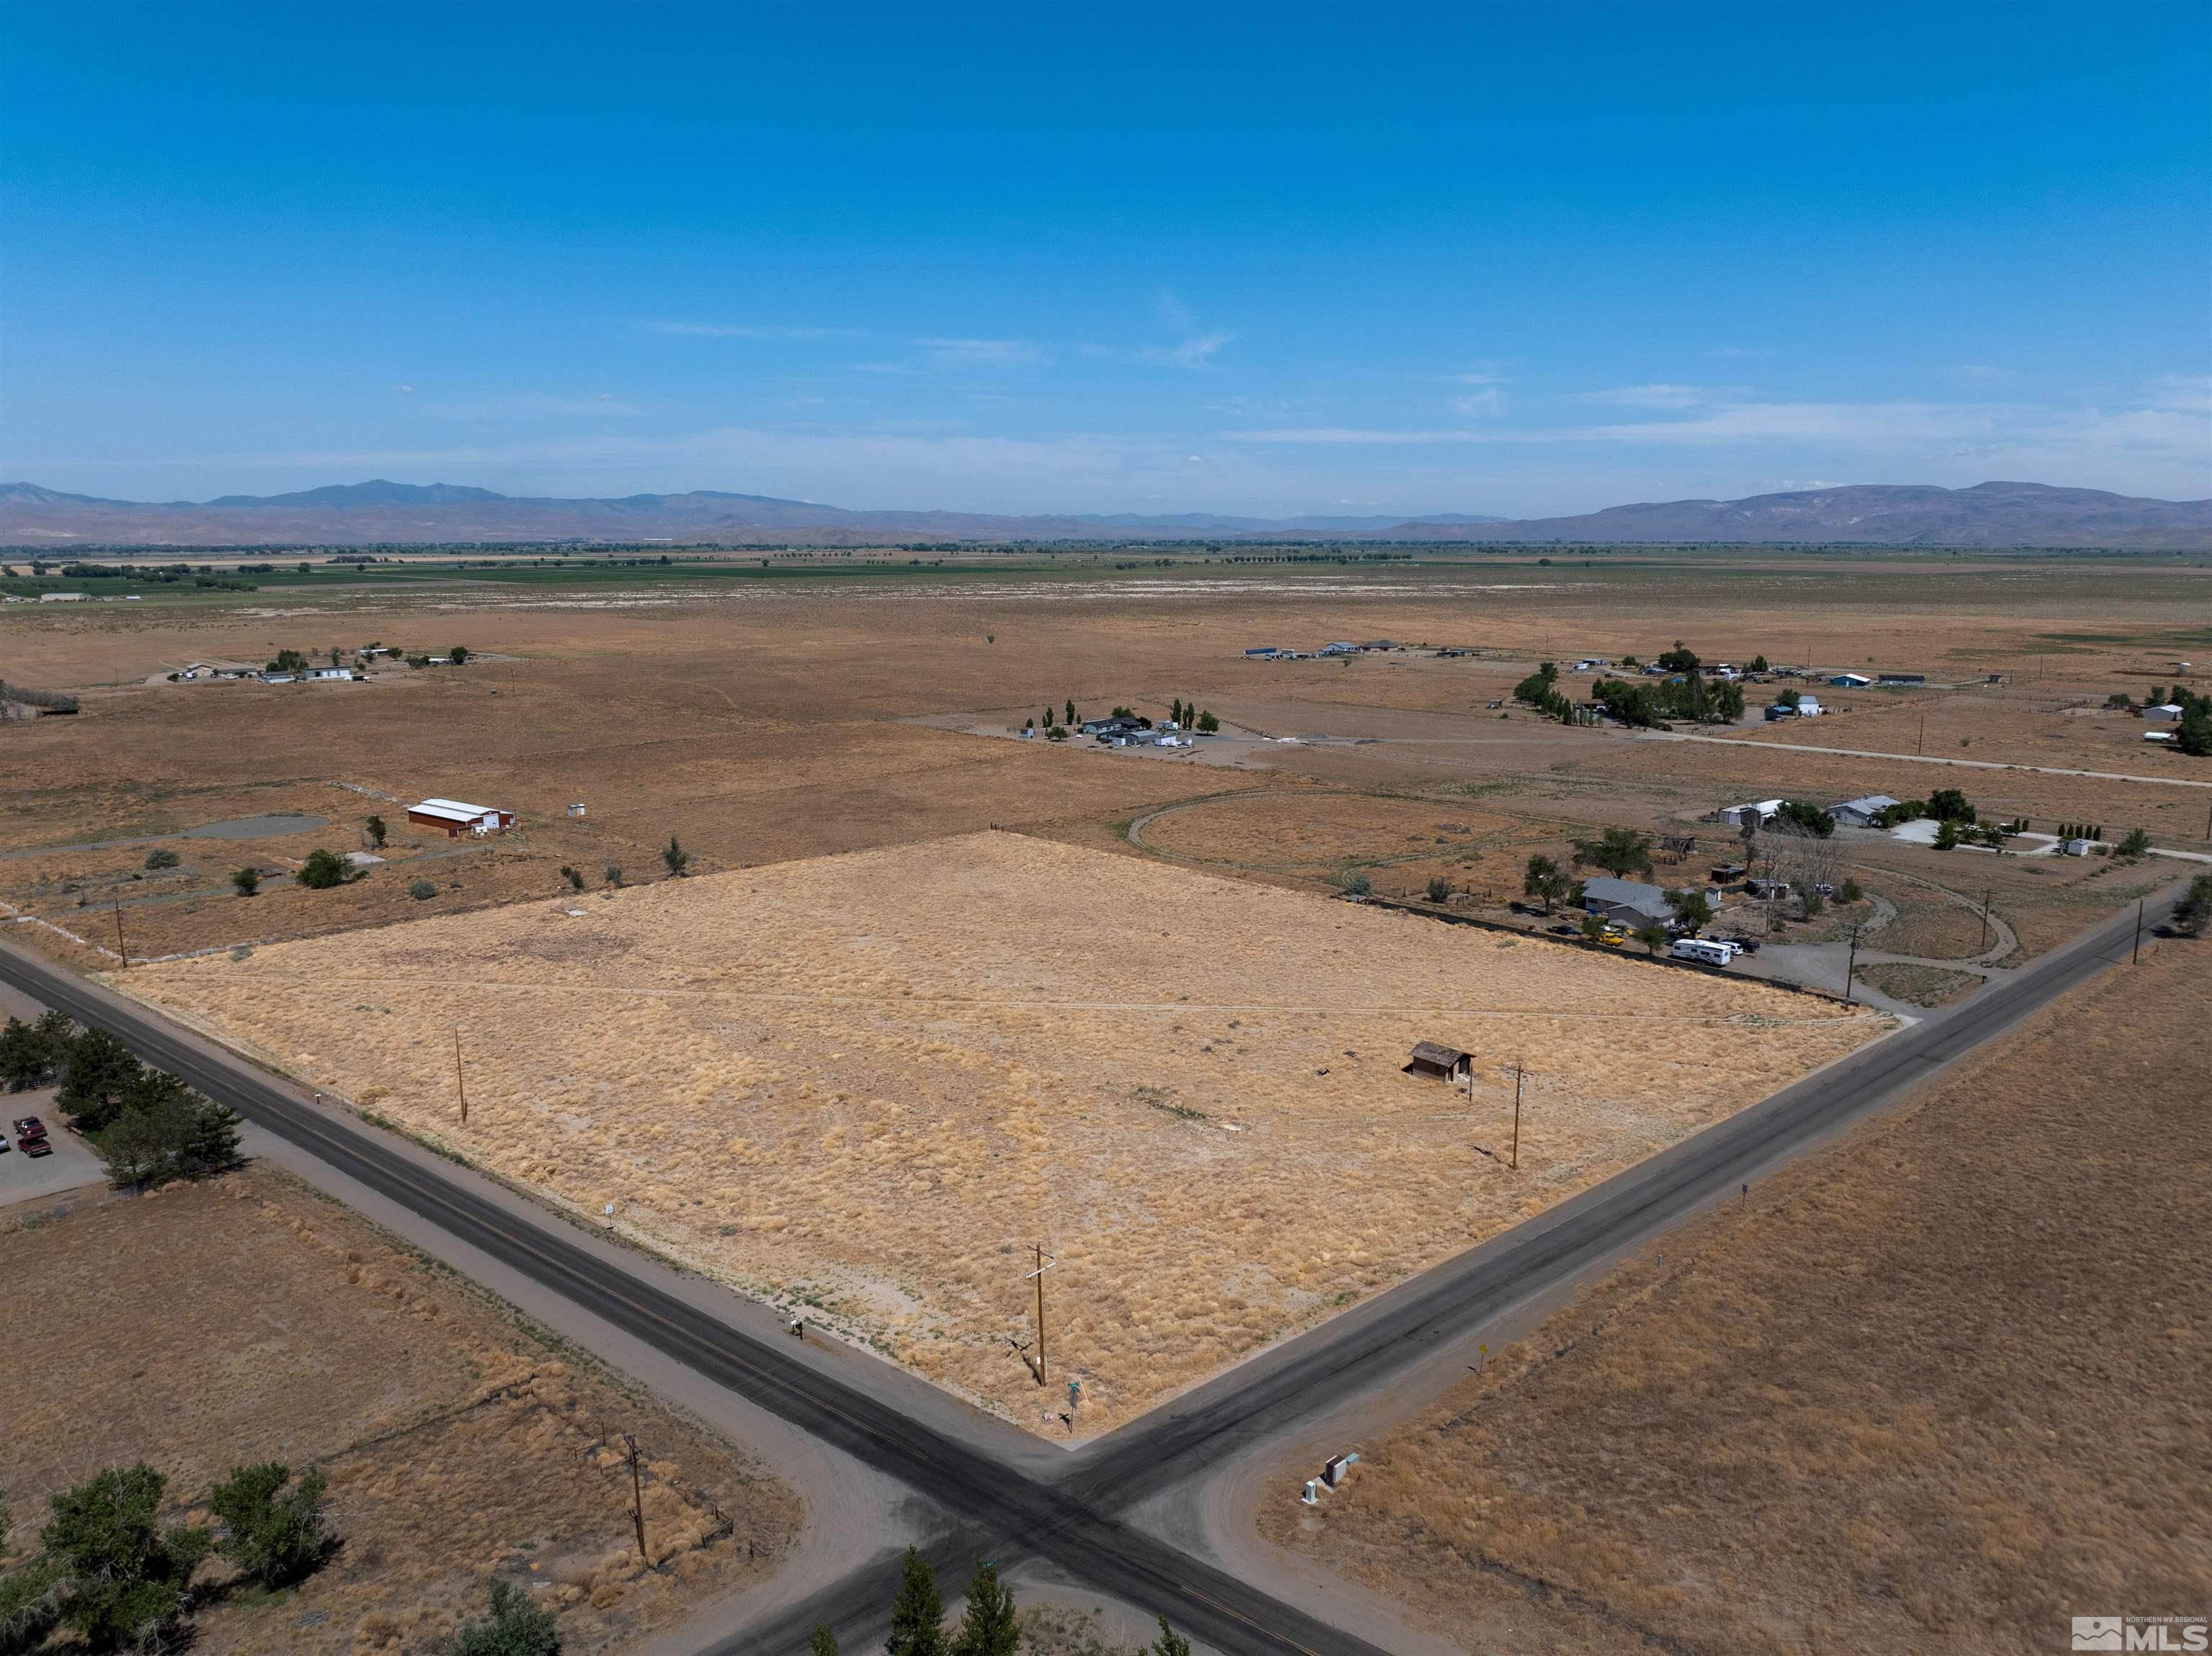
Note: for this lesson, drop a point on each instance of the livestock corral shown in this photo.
(866, 1086)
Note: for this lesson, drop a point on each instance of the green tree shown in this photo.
(515, 1627)
(162, 856)
(1354, 882)
(1652, 935)
(1536, 689)
(1949, 805)
(30, 1601)
(1850, 892)
(2135, 844)
(918, 1611)
(1170, 1643)
(1440, 889)
(1545, 880)
(289, 661)
(122, 1575)
(1207, 724)
(101, 1070)
(1619, 852)
(458, 654)
(1678, 659)
(575, 880)
(1759, 664)
(211, 1141)
(2194, 735)
(1593, 926)
(1692, 908)
(988, 1628)
(322, 870)
(1810, 817)
(377, 832)
(823, 1641)
(676, 857)
(1947, 834)
(28, 1053)
(273, 1534)
(247, 879)
(2194, 912)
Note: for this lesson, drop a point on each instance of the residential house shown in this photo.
(1630, 904)
(1863, 812)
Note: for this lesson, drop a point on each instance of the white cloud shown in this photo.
(1657, 397)
(1192, 353)
(983, 353)
(403, 388)
(1489, 401)
(541, 406)
(748, 330)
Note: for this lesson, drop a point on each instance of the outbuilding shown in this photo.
(457, 816)
(1850, 680)
(1900, 678)
(1444, 1063)
(1757, 814)
(2167, 712)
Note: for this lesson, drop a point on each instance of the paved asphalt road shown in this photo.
(1073, 1519)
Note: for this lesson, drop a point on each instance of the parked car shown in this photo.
(1562, 930)
(30, 1126)
(1824, 888)
(1747, 945)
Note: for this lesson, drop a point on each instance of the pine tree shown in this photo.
(823, 1641)
(1171, 1643)
(918, 1612)
(988, 1627)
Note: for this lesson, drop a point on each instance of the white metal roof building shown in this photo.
(455, 815)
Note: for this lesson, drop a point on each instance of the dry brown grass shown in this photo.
(1942, 1387)
(865, 1082)
(212, 1325)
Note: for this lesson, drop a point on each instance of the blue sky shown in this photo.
(1521, 258)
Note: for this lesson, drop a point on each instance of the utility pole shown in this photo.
(1985, 921)
(458, 1081)
(2135, 954)
(1851, 967)
(1045, 1262)
(121, 953)
(638, 1501)
(1920, 742)
(1515, 1163)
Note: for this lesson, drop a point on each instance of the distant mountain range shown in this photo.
(379, 512)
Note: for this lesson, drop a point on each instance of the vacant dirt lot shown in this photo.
(252, 1321)
(1942, 1387)
(867, 1082)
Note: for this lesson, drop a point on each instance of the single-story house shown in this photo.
(1432, 1058)
(1339, 648)
(1756, 814)
(328, 673)
(1118, 724)
(455, 816)
(1900, 678)
(1629, 903)
(1850, 680)
(2167, 712)
(278, 678)
(64, 597)
(1863, 812)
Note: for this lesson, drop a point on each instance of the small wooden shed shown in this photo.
(1444, 1063)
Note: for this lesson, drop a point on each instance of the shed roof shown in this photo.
(452, 810)
(1431, 1051)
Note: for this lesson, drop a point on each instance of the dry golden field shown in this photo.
(1938, 1386)
(869, 1082)
(217, 1325)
